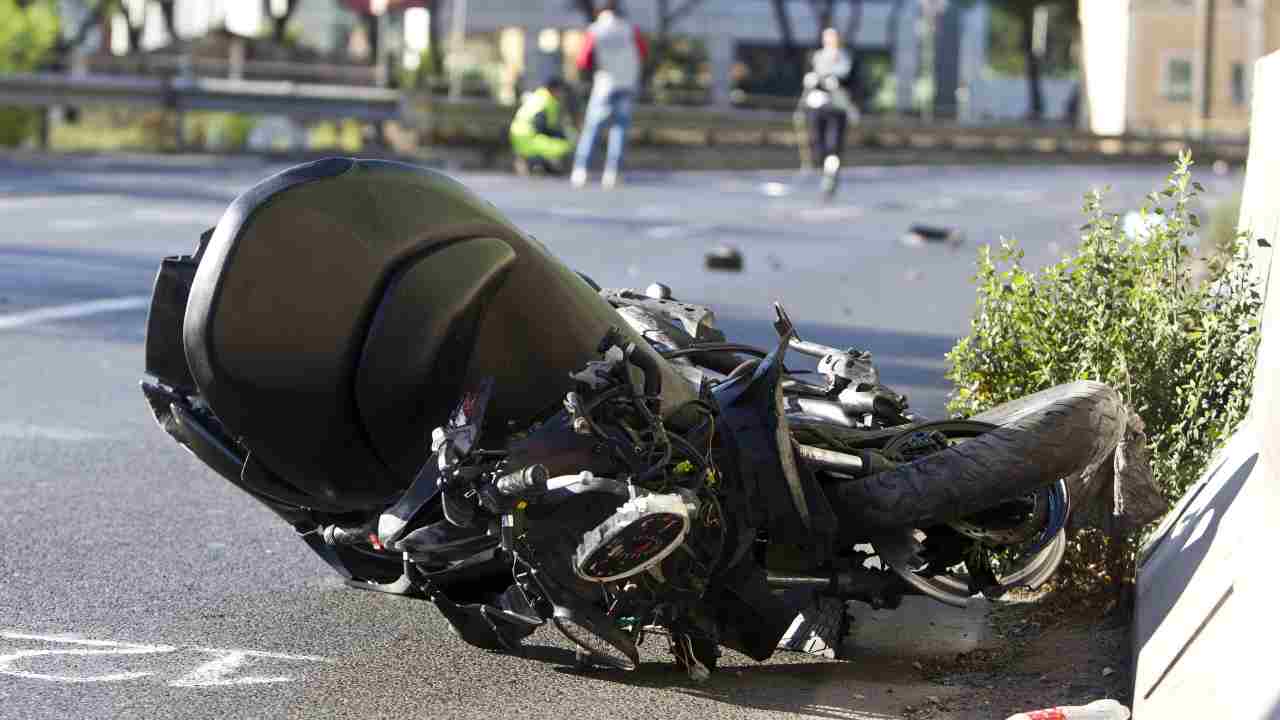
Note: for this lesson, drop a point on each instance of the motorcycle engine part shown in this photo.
(638, 536)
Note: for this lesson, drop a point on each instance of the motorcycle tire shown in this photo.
(1053, 434)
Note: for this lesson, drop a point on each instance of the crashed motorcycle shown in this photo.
(442, 410)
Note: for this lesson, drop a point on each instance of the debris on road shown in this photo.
(1107, 671)
(724, 257)
(918, 235)
(1096, 710)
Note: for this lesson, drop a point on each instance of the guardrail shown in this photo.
(303, 100)
(484, 123)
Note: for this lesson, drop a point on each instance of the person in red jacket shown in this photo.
(614, 52)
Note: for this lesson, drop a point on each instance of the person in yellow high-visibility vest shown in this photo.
(541, 132)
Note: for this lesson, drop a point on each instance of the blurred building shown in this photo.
(1174, 66)
(733, 47)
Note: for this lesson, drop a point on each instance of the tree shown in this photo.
(134, 24)
(824, 15)
(587, 8)
(668, 17)
(1024, 12)
(169, 15)
(280, 22)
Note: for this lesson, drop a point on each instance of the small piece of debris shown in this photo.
(859, 696)
(934, 699)
(724, 257)
(1107, 671)
(918, 235)
(918, 666)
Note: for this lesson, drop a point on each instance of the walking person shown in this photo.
(830, 105)
(614, 51)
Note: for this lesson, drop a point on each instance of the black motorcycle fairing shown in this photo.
(281, 309)
(419, 345)
(792, 510)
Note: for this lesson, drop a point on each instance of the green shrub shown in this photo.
(27, 33)
(1127, 312)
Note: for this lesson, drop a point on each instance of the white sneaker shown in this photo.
(578, 178)
(610, 180)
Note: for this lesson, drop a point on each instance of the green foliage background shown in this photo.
(26, 36)
(1127, 312)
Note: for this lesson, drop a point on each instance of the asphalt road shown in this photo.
(135, 583)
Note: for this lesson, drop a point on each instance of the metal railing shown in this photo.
(484, 122)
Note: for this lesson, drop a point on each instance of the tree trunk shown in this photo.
(661, 41)
(854, 25)
(280, 25)
(434, 42)
(783, 18)
(371, 33)
(170, 22)
(824, 12)
(895, 17)
(587, 8)
(1036, 112)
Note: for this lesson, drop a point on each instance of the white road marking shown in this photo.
(218, 672)
(179, 216)
(39, 201)
(45, 432)
(672, 232)
(76, 224)
(574, 212)
(775, 189)
(116, 648)
(39, 316)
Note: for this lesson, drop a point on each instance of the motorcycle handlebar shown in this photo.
(531, 480)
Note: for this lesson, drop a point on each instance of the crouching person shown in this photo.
(540, 132)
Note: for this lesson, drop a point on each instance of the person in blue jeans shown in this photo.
(614, 51)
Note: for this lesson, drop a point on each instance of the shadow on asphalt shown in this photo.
(825, 689)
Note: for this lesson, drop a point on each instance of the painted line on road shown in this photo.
(72, 311)
(19, 431)
(224, 669)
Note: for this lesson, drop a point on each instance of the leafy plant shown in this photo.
(1125, 311)
(27, 32)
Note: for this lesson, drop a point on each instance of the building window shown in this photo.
(1176, 82)
(1239, 86)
